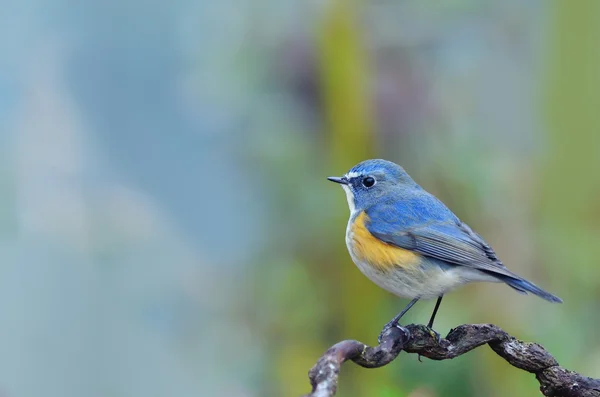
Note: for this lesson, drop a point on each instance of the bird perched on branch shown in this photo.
(409, 243)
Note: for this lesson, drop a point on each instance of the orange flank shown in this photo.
(378, 254)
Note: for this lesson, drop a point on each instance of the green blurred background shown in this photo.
(166, 227)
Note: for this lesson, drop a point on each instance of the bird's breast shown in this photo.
(367, 249)
(399, 271)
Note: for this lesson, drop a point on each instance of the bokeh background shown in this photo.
(166, 228)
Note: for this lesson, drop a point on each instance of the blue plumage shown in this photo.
(401, 214)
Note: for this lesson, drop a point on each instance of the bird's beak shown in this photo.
(336, 179)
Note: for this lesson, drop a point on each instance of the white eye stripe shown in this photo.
(351, 175)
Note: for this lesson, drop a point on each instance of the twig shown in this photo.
(554, 380)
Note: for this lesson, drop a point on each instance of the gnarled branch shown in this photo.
(554, 380)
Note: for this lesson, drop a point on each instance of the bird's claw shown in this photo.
(434, 334)
(386, 328)
(383, 331)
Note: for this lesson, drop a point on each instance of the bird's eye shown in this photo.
(368, 181)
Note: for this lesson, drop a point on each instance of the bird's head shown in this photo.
(371, 181)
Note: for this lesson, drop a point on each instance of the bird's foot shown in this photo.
(387, 327)
(434, 334)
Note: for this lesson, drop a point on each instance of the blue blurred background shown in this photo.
(166, 228)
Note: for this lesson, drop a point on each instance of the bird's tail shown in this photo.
(523, 286)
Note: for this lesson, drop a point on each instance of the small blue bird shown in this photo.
(409, 243)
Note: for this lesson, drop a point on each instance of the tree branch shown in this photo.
(531, 357)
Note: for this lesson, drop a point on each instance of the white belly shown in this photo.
(426, 283)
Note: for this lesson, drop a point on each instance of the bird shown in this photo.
(409, 243)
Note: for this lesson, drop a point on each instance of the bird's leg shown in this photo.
(430, 323)
(433, 333)
(395, 320)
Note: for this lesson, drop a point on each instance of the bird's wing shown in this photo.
(448, 239)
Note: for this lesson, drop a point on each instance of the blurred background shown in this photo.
(166, 228)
